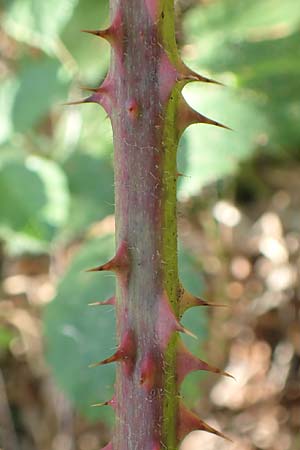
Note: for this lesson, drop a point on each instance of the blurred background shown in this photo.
(239, 223)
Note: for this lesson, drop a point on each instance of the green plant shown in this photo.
(66, 175)
(142, 96)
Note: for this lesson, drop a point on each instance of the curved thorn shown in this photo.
(186, 363)
(86, 88)
(96, 303)
(111, 402)
(189, 421)
(189, 300)
(217, 124)
(199, 118)
(95, 269)
(81, 102)
(187, 332)
(195, 77)
(98, 405)
(125, 352)
(76, 102)
(110, 265)
(99, 33)
(188, 75)
(188, 116)
(110, 301)
(180, 174)
(119, 263)
(115, 357)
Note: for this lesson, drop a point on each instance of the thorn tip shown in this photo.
(110, 301)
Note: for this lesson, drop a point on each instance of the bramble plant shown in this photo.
(63, 199)
(142, 96)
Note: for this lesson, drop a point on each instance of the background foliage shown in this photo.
(56, 171)
(252, 48)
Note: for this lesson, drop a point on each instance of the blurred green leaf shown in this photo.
(96, 136)
(254, 46)
(90, 53)
(36, 22)
(41, 84)
(83, 333)
(8, 89)
(237, 20)
(211, 153)
(190, 272)
(87, 334)
(6, 337)
(91, 185)
(271, 70)
(195, 319)
(34, 197)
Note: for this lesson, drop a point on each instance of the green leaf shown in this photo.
(41, 85)
(190, 273)
(36, 22)
(271, 70)
(254, 46)
(85, 334)
(6, 336)
(195, 319)
(192, 280)
(8, 89)
(83, 48)
(91, 184)
(34, 197)
(96, 136)
(211, 153)
(237, 19)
